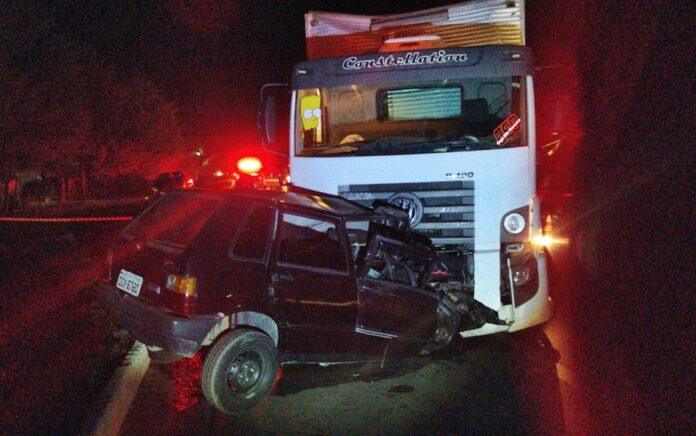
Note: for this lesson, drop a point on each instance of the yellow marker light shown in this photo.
(183, 285)
(249, 165)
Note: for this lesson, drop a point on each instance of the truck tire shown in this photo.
(239, 370)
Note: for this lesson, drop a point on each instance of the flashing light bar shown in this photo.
(249, 165)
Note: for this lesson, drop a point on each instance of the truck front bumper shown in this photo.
(156, 326)
(534, 311)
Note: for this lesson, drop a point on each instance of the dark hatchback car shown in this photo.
(270, 277)
(167, 182)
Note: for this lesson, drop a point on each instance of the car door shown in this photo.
(313, 284)
(394, 310)
(246, 270)
(390, 302)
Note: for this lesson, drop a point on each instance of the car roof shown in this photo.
(303, 199)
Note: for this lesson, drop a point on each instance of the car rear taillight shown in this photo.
(183, 285)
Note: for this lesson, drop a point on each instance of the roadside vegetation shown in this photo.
(58, 348)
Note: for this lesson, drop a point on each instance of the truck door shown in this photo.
(312, 284)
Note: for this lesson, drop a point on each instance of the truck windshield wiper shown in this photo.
(394, 145)
(388, 145)
(462, 143)
(330, 150)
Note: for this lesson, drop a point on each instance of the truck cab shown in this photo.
(431, 111)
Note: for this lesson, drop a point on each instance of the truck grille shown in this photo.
(448, 207)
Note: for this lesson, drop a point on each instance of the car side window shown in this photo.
(311, 242)
(252, 238)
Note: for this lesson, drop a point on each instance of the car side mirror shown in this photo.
(273, 120)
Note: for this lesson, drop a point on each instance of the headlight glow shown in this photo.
(547, 241)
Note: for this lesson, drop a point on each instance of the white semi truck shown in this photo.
(432, 111)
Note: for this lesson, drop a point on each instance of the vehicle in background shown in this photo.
(241, 170)
(432, 111)
(166, 182)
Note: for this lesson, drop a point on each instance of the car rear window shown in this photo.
(252, 240)
(175, 219)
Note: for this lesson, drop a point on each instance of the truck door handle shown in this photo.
(278, 277)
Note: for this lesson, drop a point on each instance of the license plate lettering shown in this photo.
(129, 282)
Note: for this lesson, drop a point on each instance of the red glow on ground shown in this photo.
(186, 375)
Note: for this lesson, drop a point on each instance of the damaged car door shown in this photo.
(312, 283)
(393, 301)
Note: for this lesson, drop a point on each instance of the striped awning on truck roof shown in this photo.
(474, 23)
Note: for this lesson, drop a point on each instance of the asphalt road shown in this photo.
(495, 385)
(519, 383)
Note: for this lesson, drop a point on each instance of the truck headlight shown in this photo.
(514, 223)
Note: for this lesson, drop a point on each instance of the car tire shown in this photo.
(239, 370)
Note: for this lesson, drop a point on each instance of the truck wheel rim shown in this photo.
(244, 371)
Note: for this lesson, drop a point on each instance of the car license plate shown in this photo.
(129, 282)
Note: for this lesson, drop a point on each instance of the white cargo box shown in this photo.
(473, 23)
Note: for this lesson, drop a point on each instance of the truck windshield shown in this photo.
(409, 118)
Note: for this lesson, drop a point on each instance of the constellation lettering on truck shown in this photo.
(409, 59)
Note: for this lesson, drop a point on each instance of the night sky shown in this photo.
(210, 57)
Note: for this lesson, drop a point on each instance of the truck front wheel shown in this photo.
(239, 370)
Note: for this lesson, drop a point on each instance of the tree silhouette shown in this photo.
(64, 112)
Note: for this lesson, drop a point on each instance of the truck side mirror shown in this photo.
(273, 121)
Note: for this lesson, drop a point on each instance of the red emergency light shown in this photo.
(249, 165)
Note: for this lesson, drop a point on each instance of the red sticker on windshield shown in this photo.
(509, 127)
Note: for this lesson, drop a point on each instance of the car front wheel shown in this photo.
(239, 370)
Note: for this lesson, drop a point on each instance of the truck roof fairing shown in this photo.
(416, 65)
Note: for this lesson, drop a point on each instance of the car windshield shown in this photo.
(408, 118)
(174, 220)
